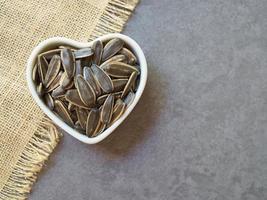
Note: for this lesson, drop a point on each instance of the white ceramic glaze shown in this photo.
(56, 41)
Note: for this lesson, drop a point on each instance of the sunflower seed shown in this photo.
(119, 69)
(111, 48)
(119, 84)
(63, 112)
(35, 76)
(82, 116)
(107, 109)
(83, 53)
(99, 129)
(118, 58)
(68, 62)
(129, 84)
(55, 82)
(42, 68)
(40, 89)
(100, 100)
(78, 127)
(98, 50)
(65, 81)
(58, 92)
(129, 99)
(68, 47)
(52, 71)
(49, 54)
(85, 91)
(130, 56)
(78, 67)
(119, 108)
(49, 101)
(92, 122)
(102, 79)
(89, 77)
(73, 97)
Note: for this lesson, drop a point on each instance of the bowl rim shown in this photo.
(62, 40)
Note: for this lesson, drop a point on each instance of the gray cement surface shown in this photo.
(200, 129)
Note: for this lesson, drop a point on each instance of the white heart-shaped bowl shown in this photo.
(52, 43)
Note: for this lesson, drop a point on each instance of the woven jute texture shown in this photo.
(27, 137)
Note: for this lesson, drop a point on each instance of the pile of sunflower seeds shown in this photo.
(88, 88)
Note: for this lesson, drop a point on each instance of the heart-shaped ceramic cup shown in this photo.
(56, 41)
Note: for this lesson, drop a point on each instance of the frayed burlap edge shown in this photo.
(114, 17)
(31, 161)
(46, 138)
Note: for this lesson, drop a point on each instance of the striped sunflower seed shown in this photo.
(58, 92)
(102, 79)
(129, 84)
(107, 110)
(55, 83)
(49, 101)
(67, 47)
(119, 84)
(90, 78)
(40, 89)
(92, 122)
(73, 97)
(49, 54)
(117, 58)
(85, 91)
(65, 81)
(83, 53)
(111, 48)
(101, 99)
(99, 129)
(42, 68)
(119, 69)
(63, 112)
(82, 116)
(78, 69)
(119, 108)
(35, 76)
(68, 61)
(130, 56)
(98, 50)
(52, 71)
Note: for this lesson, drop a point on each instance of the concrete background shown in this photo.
(199, 131)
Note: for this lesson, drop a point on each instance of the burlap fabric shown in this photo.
(27, 137)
